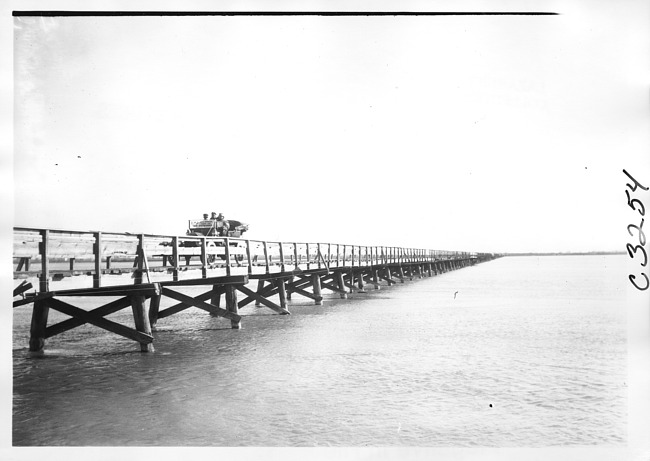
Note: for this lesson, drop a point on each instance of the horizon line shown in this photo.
(69, 13)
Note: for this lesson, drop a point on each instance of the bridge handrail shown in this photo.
(47, 245)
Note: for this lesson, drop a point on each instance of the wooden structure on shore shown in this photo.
(161, 265)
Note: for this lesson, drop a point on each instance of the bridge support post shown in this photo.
(282, 293)
(315, 282)
(341, 283)
(40, 313)
(375, 279)
(154, 308)
(141, 320)
(215, 300)
(289, 289)
(260, 288)
(401, 274)
(360, 283)
(231, 305)
(389, 278)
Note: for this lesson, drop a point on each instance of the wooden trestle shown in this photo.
(225, 266)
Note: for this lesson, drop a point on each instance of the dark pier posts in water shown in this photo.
(282, 292)
(154, 307)
(215, 299)
(260, 289)
(316, 287)
(360, 281)
(341, 284)
(37, 331)
(231, 306)
(141, 319)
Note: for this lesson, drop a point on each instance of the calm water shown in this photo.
(531, 352)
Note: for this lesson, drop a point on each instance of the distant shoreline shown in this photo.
(586, 253)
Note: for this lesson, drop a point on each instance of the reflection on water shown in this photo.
(531, 352)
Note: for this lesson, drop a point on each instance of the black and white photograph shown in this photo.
(326, 230)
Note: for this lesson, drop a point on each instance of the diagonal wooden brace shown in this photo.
(200, 304)
(23, 287)
(102, 311)
(269, 290)
(306, 294)
(334, 288)
(251, 294)
(176, 308)
(99, 321)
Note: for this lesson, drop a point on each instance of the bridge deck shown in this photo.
(139, 270)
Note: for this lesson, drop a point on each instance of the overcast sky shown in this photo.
(499, 134)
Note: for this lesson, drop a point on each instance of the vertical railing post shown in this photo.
(319, 255)
(226, 241)
(97, 251)
(248, 257)
(44, 277)
(204, 258)
(140, 260)
(295, 255)
(307, 253)
(266, 256)
(174, 260)
(281, 257)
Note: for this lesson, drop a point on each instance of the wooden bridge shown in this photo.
(97, 264)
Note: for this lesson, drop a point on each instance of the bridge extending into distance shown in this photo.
(139, 270)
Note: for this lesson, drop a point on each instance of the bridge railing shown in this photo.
(62, 253)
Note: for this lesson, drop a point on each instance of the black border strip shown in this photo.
(61, 13)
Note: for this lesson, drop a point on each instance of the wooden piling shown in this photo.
(375, 279)
(388, 277)
(141, 320)
(289, 291)
(360, 283)
(37, 334)
(215, 299)
(260, 288)
(282, 292)
(154, 308)
(315, 279)
(231, 305)
(341, 284)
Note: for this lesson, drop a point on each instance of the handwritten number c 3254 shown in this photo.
(637, 205)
